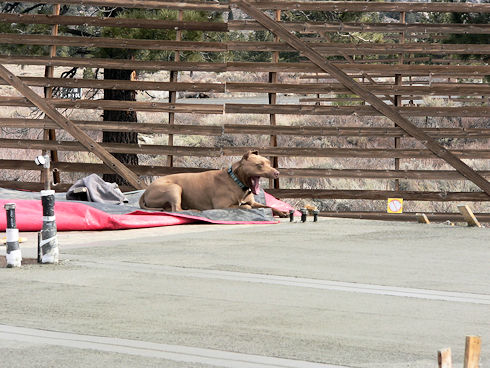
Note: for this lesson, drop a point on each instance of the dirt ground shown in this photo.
(336, 293)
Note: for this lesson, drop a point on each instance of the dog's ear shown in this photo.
(247, 155)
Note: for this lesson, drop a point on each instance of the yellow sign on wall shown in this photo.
(395, 205)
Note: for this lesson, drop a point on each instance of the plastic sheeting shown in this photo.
(77, 216)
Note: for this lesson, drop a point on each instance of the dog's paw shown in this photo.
(280, 213)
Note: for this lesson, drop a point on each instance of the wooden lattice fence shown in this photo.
(366, 119)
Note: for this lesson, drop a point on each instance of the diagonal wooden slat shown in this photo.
(359, 90)
(71, 128)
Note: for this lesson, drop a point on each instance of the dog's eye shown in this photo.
(259, 165)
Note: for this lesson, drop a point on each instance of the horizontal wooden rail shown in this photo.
(147, 4)
(339, 6)
(477, 100)
(333, 194)
(354, 152)
(120, 84)
(118, 126)
(406, 216)
(216, 130)
(463, 89)
(238, 151)
(368, 6)
(78, 62)
(327, 49)
(316, 27)
(332, 48)
(376, 174)
(198, 108)
(379, 195)
(305, 67)
(118, 106)
(85, 167)
(112, 22)
(463, 111)
(237, 25)
(473, 133)
(479, 89)
(118, 43)
(285, 172)
(72, 146)
(359, 68)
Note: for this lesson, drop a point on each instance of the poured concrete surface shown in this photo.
(338, 292)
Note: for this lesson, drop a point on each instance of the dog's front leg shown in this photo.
(274, 211)
(242, 206)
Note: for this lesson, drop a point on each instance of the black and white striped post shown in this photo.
(48, 240)
(13, 254)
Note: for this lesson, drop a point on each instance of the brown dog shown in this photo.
(226, 188)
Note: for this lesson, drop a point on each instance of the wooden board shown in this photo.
(422, 218)
(317, 27)
(472, 351)
(378, 195)
(367, 6)
(408, 111)
(301, 131)
(472, 221)
(306, 67)
(113, 22)
(377, 103)
(444, 358)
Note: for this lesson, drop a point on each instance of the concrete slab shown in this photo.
(335, 293)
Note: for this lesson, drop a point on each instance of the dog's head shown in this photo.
(253, 167)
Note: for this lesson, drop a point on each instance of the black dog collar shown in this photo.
(236, 180)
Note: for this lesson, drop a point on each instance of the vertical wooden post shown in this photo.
(472, 352)
(50, 134)
(444, 359)
(272, 101)
(398, 99)
(172, 95)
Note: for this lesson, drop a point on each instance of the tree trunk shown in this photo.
(120, 137)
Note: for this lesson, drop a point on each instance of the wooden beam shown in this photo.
(460, 111)
(324, 48)
(117, 22)
(116, 105)
(406, 216)
(436, 89)
(216, 130)
(148, 4)
(316, 27)
(466, 89)
(377, 103)
(115, 63)
(472, 221)
(122, 84)
(422, 218)
(119, 43)
(305, 67)
(71, 128)
(154, 149)
(472, 352)
(285, 172)
(378, 195)
(444, 359)
(367, 6)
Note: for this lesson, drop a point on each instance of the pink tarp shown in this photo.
(75, 216)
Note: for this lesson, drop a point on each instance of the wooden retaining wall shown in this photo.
(403, 74)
